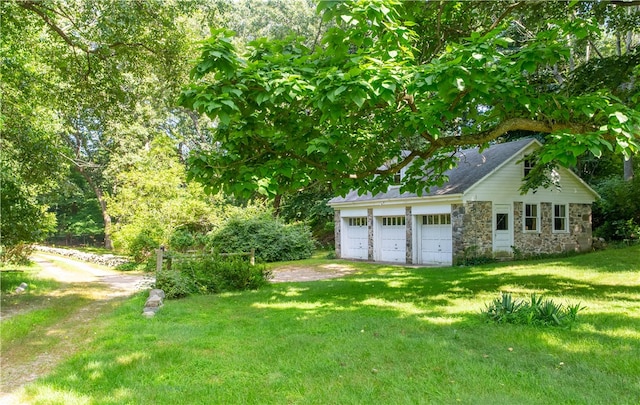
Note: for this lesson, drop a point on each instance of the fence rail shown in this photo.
(162, 255)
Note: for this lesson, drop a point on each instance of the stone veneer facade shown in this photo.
(577, 238)
(472, 230)
(337, 231)
(409, 237)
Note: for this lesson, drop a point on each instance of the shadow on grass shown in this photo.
(385, 335)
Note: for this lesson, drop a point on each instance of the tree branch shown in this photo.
(37, 8)
(625, 3)
(33, 6)
(502, 16)
(509, 125)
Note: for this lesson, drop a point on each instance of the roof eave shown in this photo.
(451, 198)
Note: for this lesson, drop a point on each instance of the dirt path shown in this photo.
(322, 272)
(103, 288)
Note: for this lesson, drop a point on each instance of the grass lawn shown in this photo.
(33, 308)
(385, 335)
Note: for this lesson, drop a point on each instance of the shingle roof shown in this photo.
(473, 165)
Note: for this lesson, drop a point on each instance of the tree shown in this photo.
(154, 200)
(109, 72)
(31, 162)
(386, 81)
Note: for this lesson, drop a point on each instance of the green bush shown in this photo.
(616, 216)
(536, 311)
(214, 273)
(181, 240)
(137, 241)
(272, 240)
(175, 284)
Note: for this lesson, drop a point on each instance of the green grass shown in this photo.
(385, 335)
(26, 316)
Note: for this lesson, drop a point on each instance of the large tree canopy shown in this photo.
(390, 77)
(93, 82)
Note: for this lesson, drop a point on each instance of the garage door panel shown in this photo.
(393, 234)
(436, 242)
(356, 241)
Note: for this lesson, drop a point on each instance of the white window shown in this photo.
(436, 219)
(528, 163)
(531, 218)
(560, 218)
(360, 221)
(393, 221)
(397, 178)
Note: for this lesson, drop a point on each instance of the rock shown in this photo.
(24, 285)
(19, 290)
(156, 293)
(148, 314)
(106, 260)
(153, 301)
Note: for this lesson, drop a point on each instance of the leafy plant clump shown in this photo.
(207, 274)
(272, 240)
(535, 311)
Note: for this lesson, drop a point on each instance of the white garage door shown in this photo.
(393, 237)
(435, 241)
(356, 240)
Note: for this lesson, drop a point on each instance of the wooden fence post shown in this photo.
(252, 258)
(159, 257)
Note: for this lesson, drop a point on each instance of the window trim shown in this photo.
(358, 222)
(565, 217)
(527, 165)
(436, 219)
(536, 217)
(399, 220)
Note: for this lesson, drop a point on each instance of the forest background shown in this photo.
(98, 150)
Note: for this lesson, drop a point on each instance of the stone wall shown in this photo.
(472, 226)
(370, 225)
(578, 237)
(337, 222)
(409, 236)
(105, 259)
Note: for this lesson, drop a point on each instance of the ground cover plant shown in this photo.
(534, 311)
(385, 334)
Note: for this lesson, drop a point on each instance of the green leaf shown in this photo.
(359, 97)
(620, 117)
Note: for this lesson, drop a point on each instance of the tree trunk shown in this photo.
(277, 201)
(628, 168)
(108, 244)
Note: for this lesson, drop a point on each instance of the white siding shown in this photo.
(353, 212)
(503, 186)
(431, 209)
(387, 211)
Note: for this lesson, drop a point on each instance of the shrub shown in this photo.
(181, 240)
(175, 284)
(214, 273)
(271, 239)
(16, 254)
(137, 241)
(616, 216)
(537, 311)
